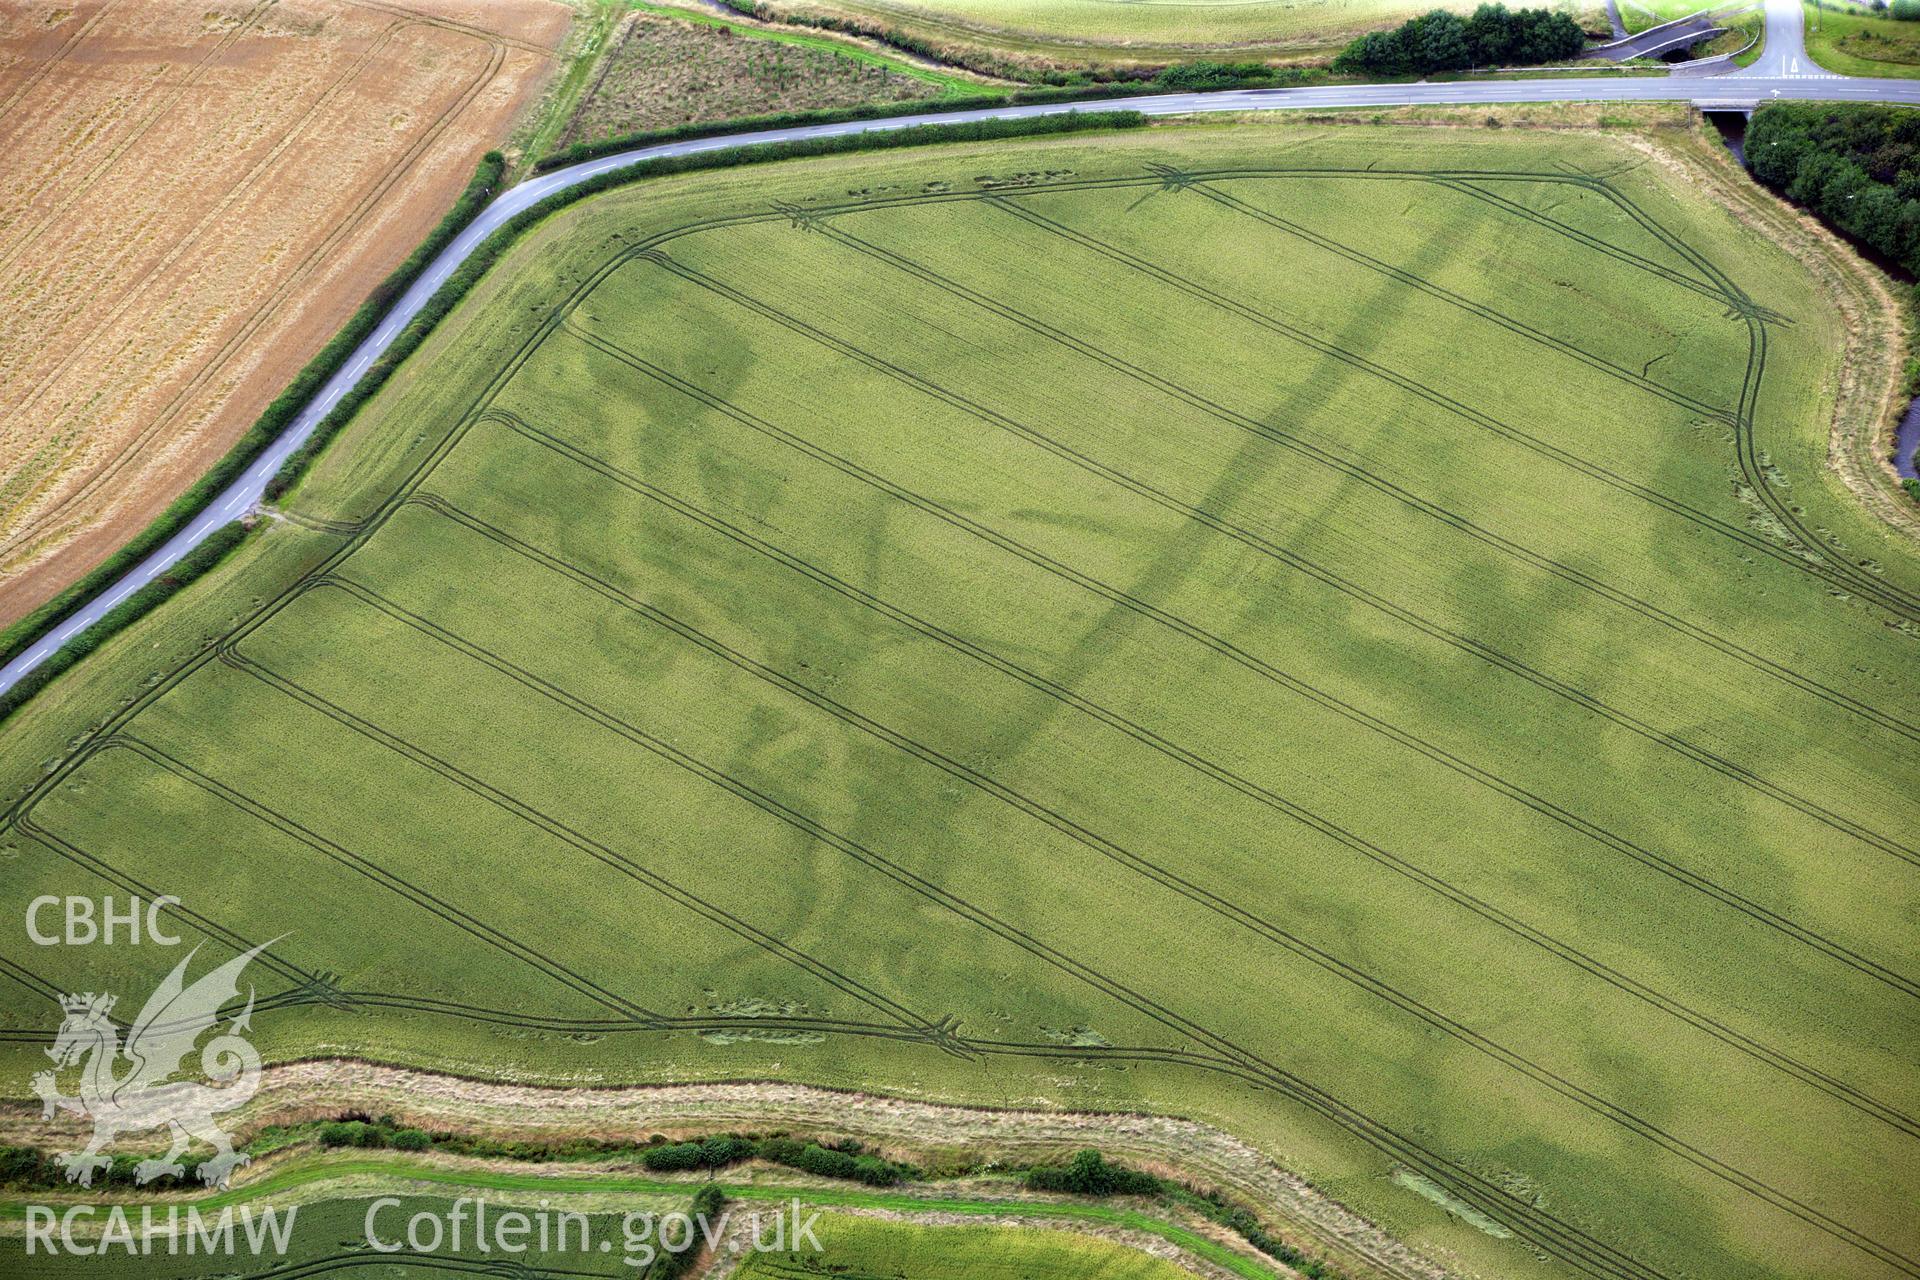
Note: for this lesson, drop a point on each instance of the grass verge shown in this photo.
(298, 1178)
(1857, 43)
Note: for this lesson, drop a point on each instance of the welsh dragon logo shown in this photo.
(144, 1096)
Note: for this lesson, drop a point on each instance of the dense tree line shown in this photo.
(1854, 166)
(1495, 36)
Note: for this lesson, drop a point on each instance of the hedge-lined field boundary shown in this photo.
(1178, 80)
(490, 250)
(964, 56)
(217, 547)
(982, 61)
(1088, 1174)
(310, 379)
(17, 638)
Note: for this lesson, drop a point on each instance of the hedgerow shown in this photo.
(1088, 1173)
(953, 55)
(1091, 1174)
(1247, 1225)
(705, 1209)
(711, 1153)
(217, 546)
(1190, 77)
(384, 1132)
(310, 379)
(976, 59)
(29, 1167)
(845, 1161)
(17, 638)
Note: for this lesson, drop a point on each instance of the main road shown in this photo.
(1783, 71)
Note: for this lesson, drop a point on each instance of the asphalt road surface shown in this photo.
(1784, 55)
(1784, 71)
(1655, 41)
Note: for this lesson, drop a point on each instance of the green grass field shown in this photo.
(328, 1239)
(1638, 15)
(1346, 635)
(1077, 31)
(1855, 42)
(327, 1209)
(902, 1251)
(852, 1248)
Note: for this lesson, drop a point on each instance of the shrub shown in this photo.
(845, 1161)
(349, 1133)
(1906, 10)
(1197, 77)
(676, 1157)
(21, 1166)
(706, 1206)
(712, 1153)
(411, 1140)
(1091, 1174)
(827, 1163)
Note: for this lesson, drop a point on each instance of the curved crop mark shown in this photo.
(1459, 641)
(1194, 761)
(1551, 1235)
(1373, 480)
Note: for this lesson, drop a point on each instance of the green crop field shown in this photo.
(332, 1212)
(861, 1247)
(328, 1241)
(1130, 30)
(1344, 634)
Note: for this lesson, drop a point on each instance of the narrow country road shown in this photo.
(1784, 71)
(1655, 41)
(1784, 55)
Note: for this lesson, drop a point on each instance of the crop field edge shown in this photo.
(466, 422)
(929, 1133)
(310, 1177)
(52, 609)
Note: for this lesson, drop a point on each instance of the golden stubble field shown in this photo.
(196, 194)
